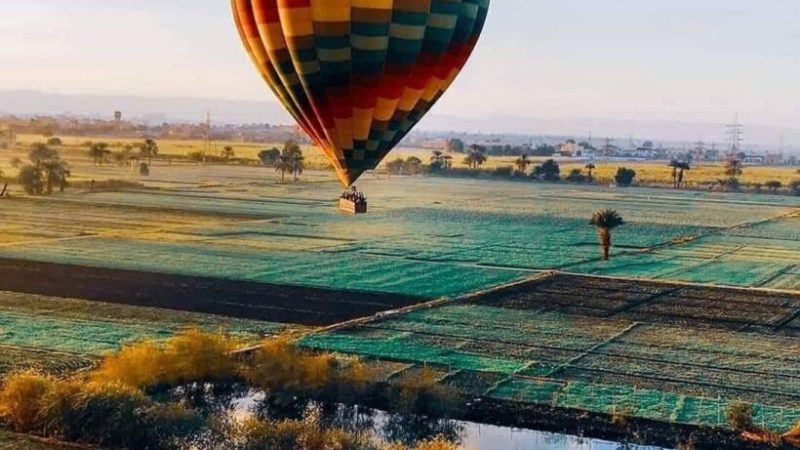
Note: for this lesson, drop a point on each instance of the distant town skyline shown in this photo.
(648, 60)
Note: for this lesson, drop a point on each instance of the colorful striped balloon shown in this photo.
(357, 75)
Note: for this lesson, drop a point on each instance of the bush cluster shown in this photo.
(106, 414)
(110, 406)
(189, 357)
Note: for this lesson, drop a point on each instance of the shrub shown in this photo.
(54, 141)
(794, 188)
(140, 365)
(576, 176)
(22, 399)
(107, 414)
(269, 157)
(31, 179)
(279, 366)
(625, 176)
(504, 172)
(196, 156)
(421, 393)
(117, 416)
(189, 357)
(548, 171)
(170, 425)
(740, 416)
(197, 356)
(287, 372)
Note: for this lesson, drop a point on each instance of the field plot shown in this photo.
(425, 238)
(675, 353)
(57, 335)
(765, 254)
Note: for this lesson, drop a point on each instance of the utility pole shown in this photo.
(735, 132)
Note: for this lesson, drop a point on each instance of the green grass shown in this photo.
(431, 238)
(63, 335)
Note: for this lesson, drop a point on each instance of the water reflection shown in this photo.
(223, 406)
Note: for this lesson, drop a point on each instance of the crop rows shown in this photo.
(527, 343)
(14, 359)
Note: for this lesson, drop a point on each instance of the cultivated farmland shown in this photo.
(428, 238)
(208, 246)
(668, 352)
(58, 335)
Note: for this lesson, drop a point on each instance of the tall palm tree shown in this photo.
(682, 168)
(148, 149)
(298, 165)
(590, 168)
(284, 164)
(475, 159)
(674, 164)
(522, 163)
(448, 161)
(606, 221)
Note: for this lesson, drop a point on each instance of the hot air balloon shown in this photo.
(358, 75)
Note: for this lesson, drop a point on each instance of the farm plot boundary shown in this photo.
(241, 299)
(670, 352)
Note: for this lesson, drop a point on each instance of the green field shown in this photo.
(427, 237)
(57, 335)
(603, 346)
(672, 354)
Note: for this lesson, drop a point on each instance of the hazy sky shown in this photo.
(669, 59)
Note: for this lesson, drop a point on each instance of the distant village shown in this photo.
(607, 149)
(491, 145)
(647, 151)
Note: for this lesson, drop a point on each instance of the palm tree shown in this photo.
(606, 221)
(283, 165)
(674, 164)
(438, 161)
(522, 163)
(298, 165)
(448, 161)
(99, 153)
(148, 149)
(682, 168)
(475, 159)
(55, 171)
(590, 168)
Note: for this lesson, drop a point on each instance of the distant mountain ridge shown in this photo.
(181, 109)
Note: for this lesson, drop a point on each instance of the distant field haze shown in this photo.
(157, 110)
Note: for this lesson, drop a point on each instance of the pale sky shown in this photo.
(699, 60)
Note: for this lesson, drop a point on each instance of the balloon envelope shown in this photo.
(357, 75)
